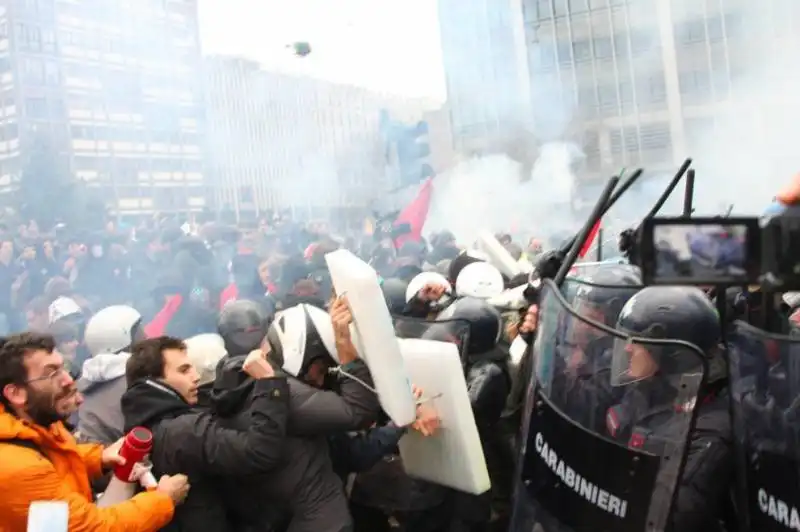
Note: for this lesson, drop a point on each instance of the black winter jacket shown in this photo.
(306, 488)
(190, 441)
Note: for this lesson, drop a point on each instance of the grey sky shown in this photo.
(389, 45)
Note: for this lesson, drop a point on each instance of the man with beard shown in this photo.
(40, 459)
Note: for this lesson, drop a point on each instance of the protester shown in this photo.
(40, 460)
(161, 396)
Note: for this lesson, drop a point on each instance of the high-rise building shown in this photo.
(633, 82)
(482, 50)
(649, 79)
(279, 141)
(115, 87)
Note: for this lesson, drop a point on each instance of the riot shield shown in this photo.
(603, 446)
(765, 391)
(455, 331)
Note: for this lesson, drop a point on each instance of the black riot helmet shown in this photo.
(670, 313)
(600, 296)
(243, 325)
(485, 323)
(394, 292)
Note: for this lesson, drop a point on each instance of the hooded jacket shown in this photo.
(190, 441)
(307, 486)
(102, 384)
(44, 464)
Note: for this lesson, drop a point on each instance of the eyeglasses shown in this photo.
(55, 375)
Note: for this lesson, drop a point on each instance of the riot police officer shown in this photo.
(655, 406)
(488, 383)
(586, 350)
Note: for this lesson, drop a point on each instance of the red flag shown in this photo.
(158, 325)
(415, 214)
(589, 241)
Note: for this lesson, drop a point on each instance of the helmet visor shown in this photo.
(633, 362)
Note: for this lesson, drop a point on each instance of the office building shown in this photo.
(483, 54)
(113, 84)
(281, 141)
(632, 82)
(651, 80)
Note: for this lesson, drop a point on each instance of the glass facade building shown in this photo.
(650, 82)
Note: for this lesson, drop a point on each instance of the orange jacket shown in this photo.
(64, 475)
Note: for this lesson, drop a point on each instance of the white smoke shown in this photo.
(486, 193)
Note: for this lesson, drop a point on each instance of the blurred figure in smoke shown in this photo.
(514, 250)
(443, 247)
(179, 316)
(28, 263)
(535, 248)
(297, 285)
(97, 277)
(8, 275)
(36, 314)
(76, 249)
(503, 238)
(46, 257)
(409, 260)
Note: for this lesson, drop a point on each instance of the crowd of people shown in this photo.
(184, 332)
(232, 347)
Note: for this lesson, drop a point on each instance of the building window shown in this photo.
(652, 89)
(734, 25)
(656, 137)
(716, 32)
(695, 85)
(543, 9)
(621, 45)
(602, 47)
(33, 71)
(564, 57)
(626, 96)
(36, 108)
(578, 6)
(630, 136)
(246, 194)
(582, 50)
(692, 31)
(608, 99)
(615, 141)
(52, 73)
(642, 42)
(587, 101)
(542, 58)
(80, 132)
(561, 8)
(49, 41)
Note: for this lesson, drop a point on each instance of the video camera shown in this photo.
(722, 251)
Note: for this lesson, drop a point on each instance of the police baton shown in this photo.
(688, 194)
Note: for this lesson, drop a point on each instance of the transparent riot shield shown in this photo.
(454, 331)
(765, 391)
(602, 446)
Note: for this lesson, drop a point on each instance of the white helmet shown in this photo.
(62, 307)
(299, 335)
(481, 280)
(205, 351)
(112, 330)
(421, 279)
